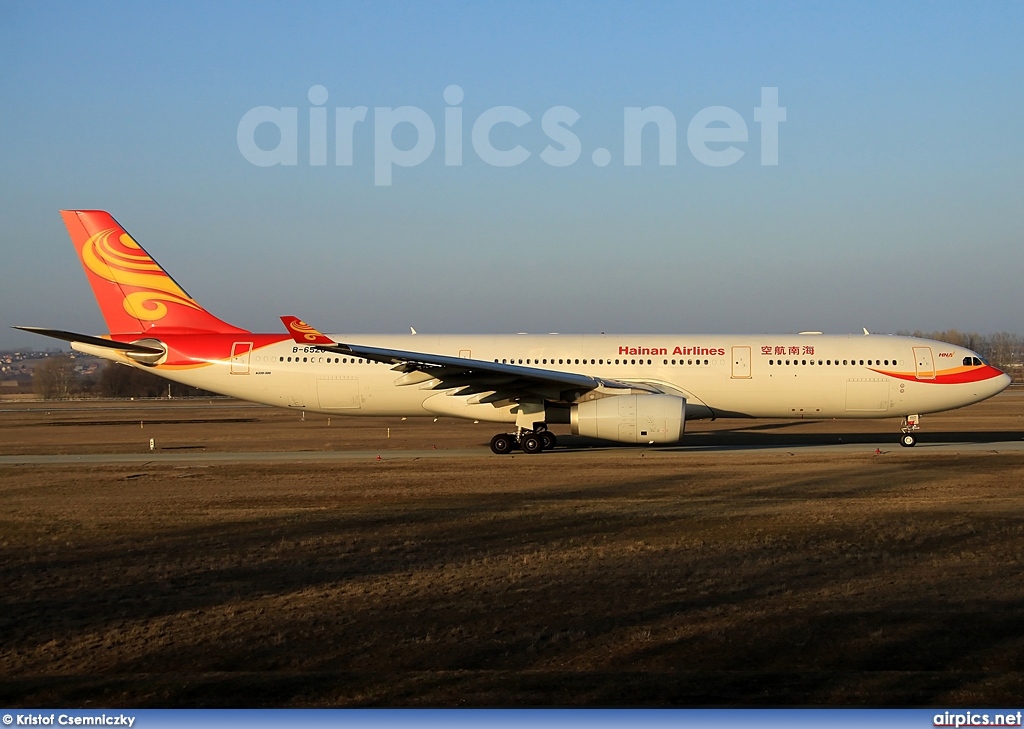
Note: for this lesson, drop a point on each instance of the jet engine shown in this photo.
(631, 418)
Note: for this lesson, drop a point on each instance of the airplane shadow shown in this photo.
(756, 437)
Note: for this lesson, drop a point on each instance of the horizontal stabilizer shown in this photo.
(94, 341)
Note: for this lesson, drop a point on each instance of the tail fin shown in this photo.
(135, 294)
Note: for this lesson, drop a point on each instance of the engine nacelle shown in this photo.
(631, 418)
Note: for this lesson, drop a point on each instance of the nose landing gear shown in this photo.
(911, 423)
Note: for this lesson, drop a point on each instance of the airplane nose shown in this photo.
(998, 383)
(993, 384)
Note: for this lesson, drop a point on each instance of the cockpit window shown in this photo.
(967, 361)
(977, 362)
(973, 361)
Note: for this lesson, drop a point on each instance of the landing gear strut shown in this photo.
(911, 423)
(530, 441)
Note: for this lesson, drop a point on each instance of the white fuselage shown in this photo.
(760, 376)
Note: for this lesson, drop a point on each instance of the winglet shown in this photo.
(303, 333)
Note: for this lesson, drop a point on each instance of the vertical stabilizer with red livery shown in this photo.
(136, 296)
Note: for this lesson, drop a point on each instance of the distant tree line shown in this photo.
(56, 379)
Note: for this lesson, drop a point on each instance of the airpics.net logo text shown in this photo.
(713, 134)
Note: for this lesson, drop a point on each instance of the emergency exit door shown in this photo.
(740, 362)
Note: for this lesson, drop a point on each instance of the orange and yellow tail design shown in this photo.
(134, 293)
(303, 333)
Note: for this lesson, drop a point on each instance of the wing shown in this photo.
(492, 381)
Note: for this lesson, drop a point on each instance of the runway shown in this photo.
(678, 451)
(226, 431)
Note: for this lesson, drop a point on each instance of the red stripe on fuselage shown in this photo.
(960, 376)
(198, 349)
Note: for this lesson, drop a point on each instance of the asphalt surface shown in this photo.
(482, 452)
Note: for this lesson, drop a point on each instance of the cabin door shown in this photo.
(923, 362)
(240, 355)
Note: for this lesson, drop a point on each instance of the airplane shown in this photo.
(627, 388)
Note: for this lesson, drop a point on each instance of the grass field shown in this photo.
(756, 575)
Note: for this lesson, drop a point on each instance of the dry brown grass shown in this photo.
(624, 577)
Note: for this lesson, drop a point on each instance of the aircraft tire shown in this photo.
(531, 443)
(548, 440)
(907, 440)
(502, 443)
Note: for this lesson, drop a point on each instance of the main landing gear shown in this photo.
(530, 441)
(911, 423)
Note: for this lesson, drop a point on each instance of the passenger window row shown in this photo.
(330, 360)
(968, 361)
(620, 361)
(830, 362)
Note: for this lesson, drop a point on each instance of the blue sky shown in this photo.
(895, 203)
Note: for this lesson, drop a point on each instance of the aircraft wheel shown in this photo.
(548, 440)
(907, 440)
(531, 443)
(502, 443)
